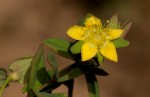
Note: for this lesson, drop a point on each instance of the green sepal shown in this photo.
(60, 46)
(113, 22)
(120, 43)
(76, 48)
(100, 58)
(126, 27)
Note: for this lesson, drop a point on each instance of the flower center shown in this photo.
(96, 36)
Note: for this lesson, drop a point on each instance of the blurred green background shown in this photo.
(24, 24)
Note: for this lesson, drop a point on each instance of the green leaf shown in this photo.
(44, 94)
(53, 63)
(100, 58)
(120, 43)
(69, 84)
(3, 76)
(92, 85)
(76, 48)
(21, 68)
(113, 22)
(39, 75)
(60, 46)
(76, 70)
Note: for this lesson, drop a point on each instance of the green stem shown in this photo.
(4, 85)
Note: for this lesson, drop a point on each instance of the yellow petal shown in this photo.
(77, 32)
(88, 51)
(109, 51)
(91, 21)
(114, 33)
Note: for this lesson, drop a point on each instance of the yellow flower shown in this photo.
(97, 39)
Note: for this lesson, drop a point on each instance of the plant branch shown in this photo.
(4, 85)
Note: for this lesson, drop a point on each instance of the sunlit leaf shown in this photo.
(92, 84)
(120, 43)
(21, 68)
(60, 46)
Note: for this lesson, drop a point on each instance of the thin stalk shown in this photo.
(4, 85)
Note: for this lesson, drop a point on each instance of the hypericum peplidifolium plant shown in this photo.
(94, 42)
